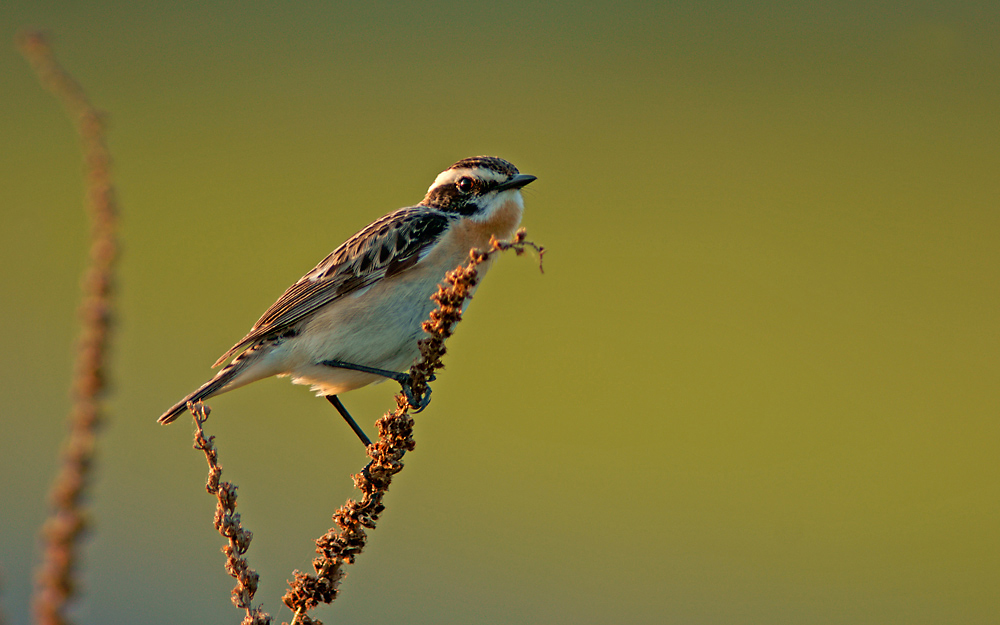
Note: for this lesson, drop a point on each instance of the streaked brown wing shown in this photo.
(385, 248)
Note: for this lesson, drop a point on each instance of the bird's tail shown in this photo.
(222, 382)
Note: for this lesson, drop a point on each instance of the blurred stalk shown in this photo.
(55, 583)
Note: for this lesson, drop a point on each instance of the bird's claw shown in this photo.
(416, 403)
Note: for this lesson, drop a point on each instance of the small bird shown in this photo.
(355, 319)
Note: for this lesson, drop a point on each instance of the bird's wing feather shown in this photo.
(385, 248)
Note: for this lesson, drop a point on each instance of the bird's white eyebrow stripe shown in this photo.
(451, 176)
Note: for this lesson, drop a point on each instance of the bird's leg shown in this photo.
(403, 379)
(339, 405)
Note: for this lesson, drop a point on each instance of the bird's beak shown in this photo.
(516, 182)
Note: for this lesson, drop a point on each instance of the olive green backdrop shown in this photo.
(758, 382)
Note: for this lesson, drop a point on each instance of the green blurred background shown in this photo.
(758, 382)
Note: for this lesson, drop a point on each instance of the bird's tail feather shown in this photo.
(211, 388)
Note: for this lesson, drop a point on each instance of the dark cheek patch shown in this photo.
(447, 198)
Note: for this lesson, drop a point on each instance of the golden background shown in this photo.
(758, 382)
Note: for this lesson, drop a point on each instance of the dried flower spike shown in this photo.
(228, 522)
(342, 544)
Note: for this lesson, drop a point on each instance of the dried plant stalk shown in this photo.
(342, 544)
(228, 523)
(55, 578)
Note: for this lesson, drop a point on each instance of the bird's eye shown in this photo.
(464, 185)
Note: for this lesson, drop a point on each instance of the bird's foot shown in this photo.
(417, 403)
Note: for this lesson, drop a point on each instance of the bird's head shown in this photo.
(476, 187)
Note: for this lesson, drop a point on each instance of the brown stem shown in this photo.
(228, 522)
(55, 583)
(342, 544)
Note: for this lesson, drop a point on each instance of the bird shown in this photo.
(355, 319)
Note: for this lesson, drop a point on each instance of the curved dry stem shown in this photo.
(228, 522)
(55, 583)
(342, 544)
